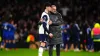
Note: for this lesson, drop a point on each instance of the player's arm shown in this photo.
(45, 28)
(87, 31)
(14, 27)
(40, 22)
(77, 27)
(5, 26)
(44, 22)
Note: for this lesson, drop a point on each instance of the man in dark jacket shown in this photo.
(55, 29)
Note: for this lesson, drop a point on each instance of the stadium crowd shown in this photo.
(83, 13)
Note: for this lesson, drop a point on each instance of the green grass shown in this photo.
(30, 52)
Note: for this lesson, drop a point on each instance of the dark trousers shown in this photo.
(57, 50)
(96, 46)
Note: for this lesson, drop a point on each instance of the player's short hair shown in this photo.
(47, 4)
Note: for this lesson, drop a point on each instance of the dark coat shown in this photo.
(55, 28)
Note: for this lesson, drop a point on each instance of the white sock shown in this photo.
(40, 53)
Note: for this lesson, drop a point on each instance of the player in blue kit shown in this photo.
(8, 35)
(76, 36)
(65, 35)
(90, 44)
(5, 30)
(11, 35)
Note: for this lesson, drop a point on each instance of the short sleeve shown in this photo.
(45, 18)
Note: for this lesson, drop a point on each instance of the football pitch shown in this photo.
(30, 52)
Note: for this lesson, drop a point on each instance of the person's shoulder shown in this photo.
(5, 24)
(44, 13)
(58, 13)
(10, 25)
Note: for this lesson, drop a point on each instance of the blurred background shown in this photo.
(26, 14)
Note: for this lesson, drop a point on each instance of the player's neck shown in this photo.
(46, 11)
